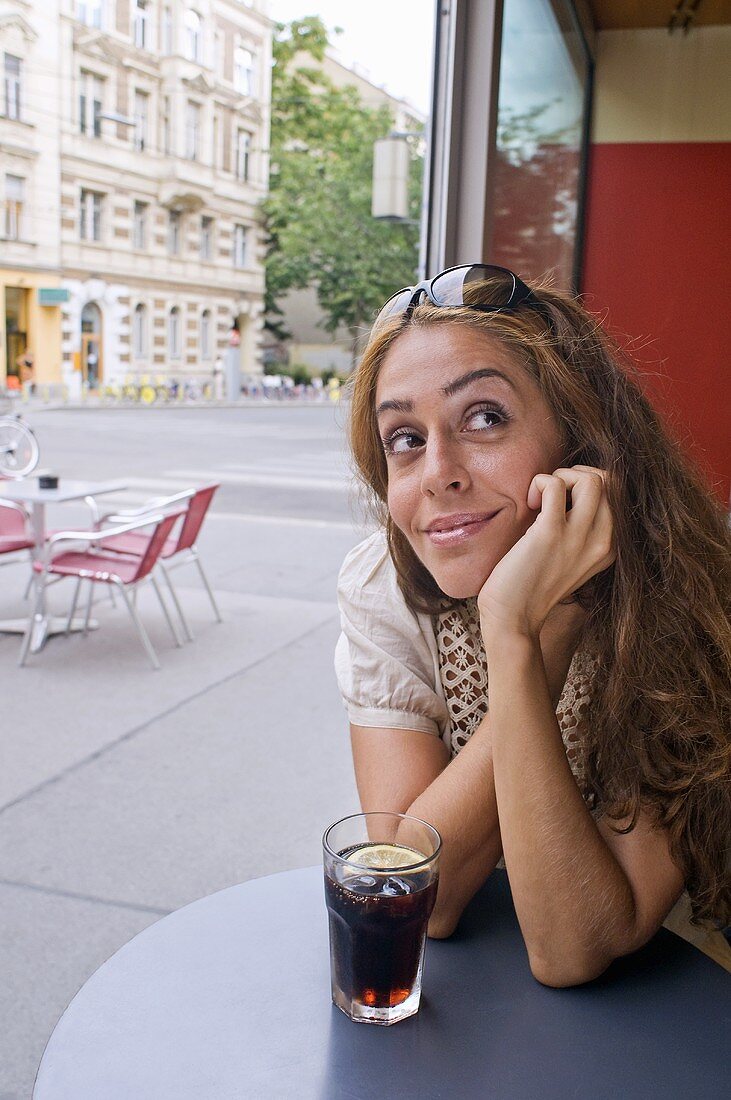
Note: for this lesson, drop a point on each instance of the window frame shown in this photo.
(140, 133)
(91, 210)
(240, 246)
(193, 36)
(14, 81)
(139, 224)
(205, 333)
(175, 234)
(14, 220)
(206, 238)
(242, 160)
(140, 332)
(175, 342)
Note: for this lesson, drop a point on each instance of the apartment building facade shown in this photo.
(30, 243)
(162, 124)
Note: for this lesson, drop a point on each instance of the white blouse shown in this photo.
(397, 669)
(401, 670)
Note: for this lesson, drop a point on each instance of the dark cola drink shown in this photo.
(378, 925)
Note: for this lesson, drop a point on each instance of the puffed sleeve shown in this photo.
(386, 660)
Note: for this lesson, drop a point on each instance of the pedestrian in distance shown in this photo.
(535, 652)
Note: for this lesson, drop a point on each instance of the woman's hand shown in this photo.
(558, 553)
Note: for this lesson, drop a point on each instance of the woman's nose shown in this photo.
(442, 467)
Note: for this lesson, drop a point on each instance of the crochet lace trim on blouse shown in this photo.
(463, 673)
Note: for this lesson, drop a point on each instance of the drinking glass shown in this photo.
(381, 877)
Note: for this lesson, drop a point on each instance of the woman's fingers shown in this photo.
(589, 517)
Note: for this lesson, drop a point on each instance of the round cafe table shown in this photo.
(229, 999)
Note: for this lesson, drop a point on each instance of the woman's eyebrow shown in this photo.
(473, 376)
(395, 406)
(449, 390)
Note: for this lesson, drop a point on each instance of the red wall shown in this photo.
(656, 261)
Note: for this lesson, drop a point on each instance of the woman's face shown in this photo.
(465, 429)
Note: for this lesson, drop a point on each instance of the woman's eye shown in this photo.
(483, 418)
(401, 442)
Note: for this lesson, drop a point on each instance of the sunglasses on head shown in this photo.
(482, 287)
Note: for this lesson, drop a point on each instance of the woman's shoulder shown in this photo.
(367, 569)
(369, 592)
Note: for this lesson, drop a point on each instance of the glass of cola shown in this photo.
(381, 877)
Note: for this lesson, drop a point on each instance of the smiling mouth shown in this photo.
(464, 528)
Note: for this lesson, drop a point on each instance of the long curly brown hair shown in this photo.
(658, 621)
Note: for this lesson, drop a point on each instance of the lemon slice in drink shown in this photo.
(385, 857)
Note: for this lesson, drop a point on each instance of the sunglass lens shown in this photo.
(476, 284)
(395, 305)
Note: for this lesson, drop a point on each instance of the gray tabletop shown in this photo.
(230, 998)
(29, 492)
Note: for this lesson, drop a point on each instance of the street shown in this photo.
(126, 793)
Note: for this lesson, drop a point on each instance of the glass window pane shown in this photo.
(544, 74)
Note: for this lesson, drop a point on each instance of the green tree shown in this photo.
(318, 214)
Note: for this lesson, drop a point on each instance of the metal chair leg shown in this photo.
(27, 637)
(166, 613)
(144, 638)
(176, 601)
(75, 600)
(209, 590)
(31, 579)
(89, 602)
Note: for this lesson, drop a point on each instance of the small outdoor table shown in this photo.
(29, 492)
(229, 999)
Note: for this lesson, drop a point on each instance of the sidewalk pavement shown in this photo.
(126, 793)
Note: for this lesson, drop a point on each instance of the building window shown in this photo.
(206, 237)
(90, 221)
(91, 97)
(142, 101)
(167, 126)
(193, 35)
(192, 131)
(90, 12)
(141, 30)
(14, 202)
(174, 220)
(12, 86)
(139, 225)
(139, 332)
(174, 342)
(243, 70)
(241, 234)
(206, 334)
(167, 31)
(243, 150)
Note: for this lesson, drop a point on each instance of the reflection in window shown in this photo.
(544, 73)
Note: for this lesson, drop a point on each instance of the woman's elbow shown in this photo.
(566, 973)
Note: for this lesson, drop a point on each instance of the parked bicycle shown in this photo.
(19, 451)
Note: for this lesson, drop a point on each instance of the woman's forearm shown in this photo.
(573, 901)
(460, 803)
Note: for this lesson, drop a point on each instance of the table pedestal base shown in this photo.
(45, 628)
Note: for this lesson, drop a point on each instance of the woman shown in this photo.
(541, 540)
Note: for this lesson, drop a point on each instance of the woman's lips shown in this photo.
(462, 530)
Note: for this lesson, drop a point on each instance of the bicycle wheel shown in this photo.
(18, 449)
